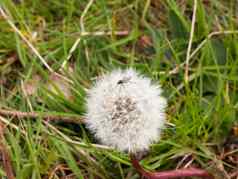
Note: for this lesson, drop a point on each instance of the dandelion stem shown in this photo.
(186, 172)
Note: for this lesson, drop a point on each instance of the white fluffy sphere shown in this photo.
(125, 110)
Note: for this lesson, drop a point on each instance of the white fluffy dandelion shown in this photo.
(125, 110)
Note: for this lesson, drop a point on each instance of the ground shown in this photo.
(52, 51)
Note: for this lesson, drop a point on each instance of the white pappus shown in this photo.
(125, 110)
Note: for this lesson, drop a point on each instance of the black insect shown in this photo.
(124, 80)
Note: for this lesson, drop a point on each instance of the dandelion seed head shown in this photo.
(125, 110)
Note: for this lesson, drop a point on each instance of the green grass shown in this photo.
(202, 112)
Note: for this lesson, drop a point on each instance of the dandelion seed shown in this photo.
(125, 110)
